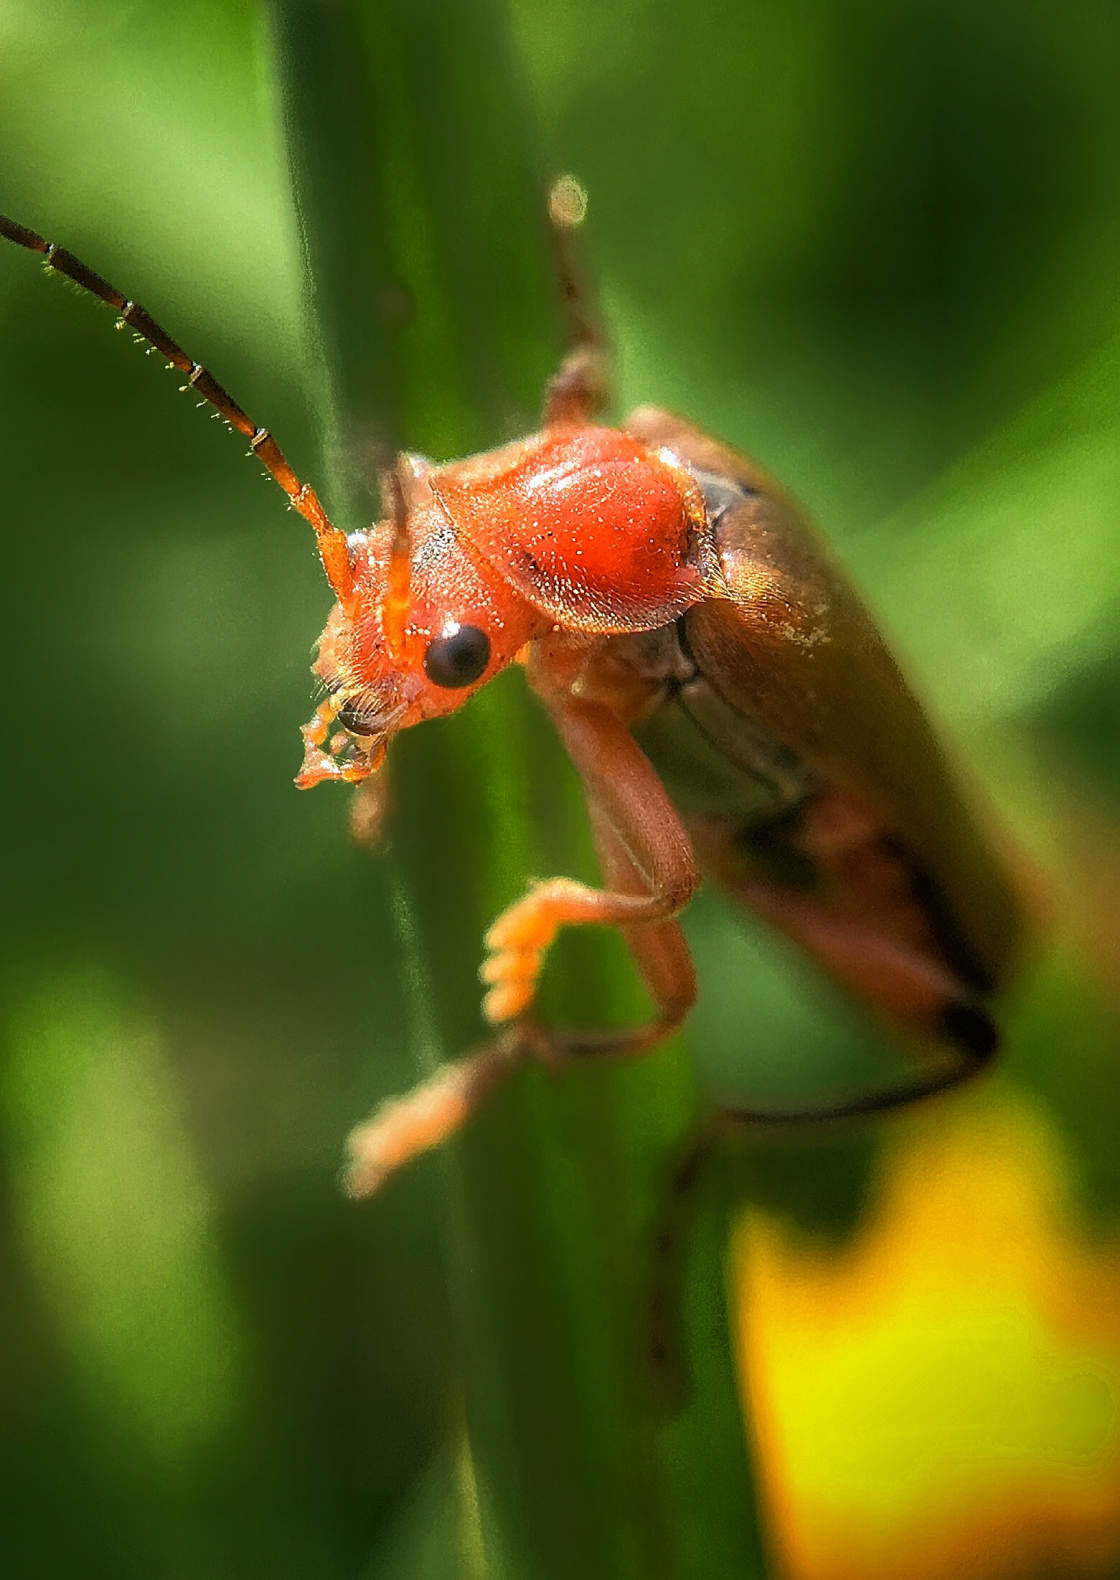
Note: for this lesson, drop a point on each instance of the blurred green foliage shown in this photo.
(877, 248)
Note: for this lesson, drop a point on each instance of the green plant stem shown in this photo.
(411, 166)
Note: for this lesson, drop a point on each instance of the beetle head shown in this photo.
(426, 625)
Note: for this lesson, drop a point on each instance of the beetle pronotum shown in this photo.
(721, 690)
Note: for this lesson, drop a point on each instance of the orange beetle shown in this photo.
(718, 685)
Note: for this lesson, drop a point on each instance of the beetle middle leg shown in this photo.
(644, 840)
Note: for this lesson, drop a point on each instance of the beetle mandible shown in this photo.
(722, 692)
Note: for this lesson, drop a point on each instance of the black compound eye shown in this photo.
(459, 659)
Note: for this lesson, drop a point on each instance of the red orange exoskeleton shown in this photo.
(721, 690)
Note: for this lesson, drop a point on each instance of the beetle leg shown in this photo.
(974, 1047)
(404, 1127)
(905, 979)
(647, 861)
(580, 389)
(430, 1114)
(369, 809)
(661, 875)
(659, 949)
(660, 952)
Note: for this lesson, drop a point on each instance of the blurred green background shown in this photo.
(877, 247)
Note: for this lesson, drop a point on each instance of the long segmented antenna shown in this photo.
(331, 541)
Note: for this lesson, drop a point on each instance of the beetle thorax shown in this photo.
(591, 526)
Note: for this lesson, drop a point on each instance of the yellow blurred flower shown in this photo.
(939, 1399)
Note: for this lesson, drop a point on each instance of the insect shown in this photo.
(721, 690)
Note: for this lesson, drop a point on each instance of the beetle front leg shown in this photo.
(636, 824)
(647, 861)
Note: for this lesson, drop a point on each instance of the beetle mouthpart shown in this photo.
(364, 722)
(341, 755)
(344, 759)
